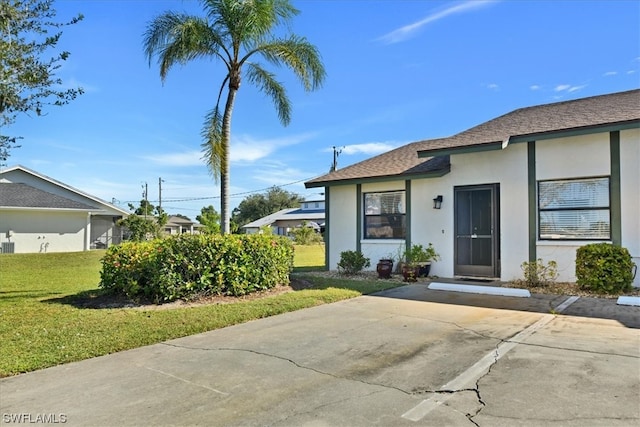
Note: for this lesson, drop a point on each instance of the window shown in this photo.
(384, 215)
(576, 209)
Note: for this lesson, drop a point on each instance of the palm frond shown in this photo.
(179, 38)
(302, 57)
(266, 82)
(246, 21)
(213, 152)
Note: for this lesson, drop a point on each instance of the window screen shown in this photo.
(384, 215)
(574, 209)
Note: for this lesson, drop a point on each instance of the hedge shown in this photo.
(188, 265)
(604, 268)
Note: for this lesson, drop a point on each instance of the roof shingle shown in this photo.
(18, 195)
(610, 109)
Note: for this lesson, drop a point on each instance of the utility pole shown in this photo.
(145, 194)
(336, 153)
(160, 181)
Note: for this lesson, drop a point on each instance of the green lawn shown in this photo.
(42, 325)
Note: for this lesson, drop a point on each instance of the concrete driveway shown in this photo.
(405, 357)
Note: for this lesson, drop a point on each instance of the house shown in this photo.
(40, 214)
(281, 222)
(180, 225)
(536, 183)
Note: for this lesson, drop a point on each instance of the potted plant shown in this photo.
(418, 261)
(385, 267)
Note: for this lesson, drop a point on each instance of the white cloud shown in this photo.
(408, 31)
(244, 148)
(569, 88)
(535, 87)
(610, 73)
(576, 88)
(188, 158)
(248, 149)
(370, 148)
(493, 86)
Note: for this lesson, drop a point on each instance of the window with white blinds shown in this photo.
(575, 209)
(384, 215)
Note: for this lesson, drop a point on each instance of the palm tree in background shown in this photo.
(235, 32)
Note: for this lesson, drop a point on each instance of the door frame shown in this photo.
(463, 270)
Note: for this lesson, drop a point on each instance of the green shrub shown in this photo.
(188, 265)
(352, 262)
(538, 274)
(604, 268)
(306, 235)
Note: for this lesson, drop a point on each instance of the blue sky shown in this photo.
(397, 71)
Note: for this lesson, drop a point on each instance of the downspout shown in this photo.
(87, 233)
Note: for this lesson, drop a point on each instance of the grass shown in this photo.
(41, 326)
(309, 257)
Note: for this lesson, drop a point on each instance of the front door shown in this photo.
(477, 246)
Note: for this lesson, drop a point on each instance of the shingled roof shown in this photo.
(617, 109)
(20, 195)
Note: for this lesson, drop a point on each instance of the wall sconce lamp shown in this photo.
(437, 202)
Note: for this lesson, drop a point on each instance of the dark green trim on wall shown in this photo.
(327, 227)
(407, 201)
(616, 197)
(533, 200)
(359, 214)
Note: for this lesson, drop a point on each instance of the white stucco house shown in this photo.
(40, 214)
(179, 225)
(281, 222)
(537, 182)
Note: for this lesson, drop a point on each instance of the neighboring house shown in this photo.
(538, 182)
(281, 222)
(178, 225)
(40, 214)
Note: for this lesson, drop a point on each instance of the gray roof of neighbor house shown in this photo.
(24, 196)
(101, 205)
(289, 214)
(430, 157)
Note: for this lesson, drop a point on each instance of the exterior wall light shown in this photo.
(437, 202)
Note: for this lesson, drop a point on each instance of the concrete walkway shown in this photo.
(409, 356)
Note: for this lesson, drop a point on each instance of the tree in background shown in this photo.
(210, 219)
(145, 208)
(306, 235)
(138, 228)
(146, 223)
(27, 70)
(259, 205)
(237, 33)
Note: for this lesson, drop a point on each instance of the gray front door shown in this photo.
(477, 246)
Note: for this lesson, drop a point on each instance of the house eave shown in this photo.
(383, 178)
(561, 133)
(35, 209)
(490, 146)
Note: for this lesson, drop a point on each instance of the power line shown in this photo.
(244, 193)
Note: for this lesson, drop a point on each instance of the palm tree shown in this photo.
(234, 32)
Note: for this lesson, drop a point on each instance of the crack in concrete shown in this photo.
(293, 362)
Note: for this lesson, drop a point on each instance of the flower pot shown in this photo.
(410, 272)
(425, 268)
(384, 268)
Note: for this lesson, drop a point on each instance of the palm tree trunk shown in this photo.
(225, 164)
